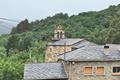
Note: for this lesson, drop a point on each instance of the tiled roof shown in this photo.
(91, 53)
(44, 71)
(65, 42)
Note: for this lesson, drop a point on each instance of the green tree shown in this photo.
(11, 70)
(11, 44)
(114, 31)
(23, 26)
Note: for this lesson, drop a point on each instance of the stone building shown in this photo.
(76, 59)
(93, 63)
(60, 44)
(86, 63)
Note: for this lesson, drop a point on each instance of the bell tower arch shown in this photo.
(59, 32)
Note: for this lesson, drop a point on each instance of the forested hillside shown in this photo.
(27, 42)
(93, 26)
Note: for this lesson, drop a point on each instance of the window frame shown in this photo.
(115, 74)
(88, 74)
(99, 74)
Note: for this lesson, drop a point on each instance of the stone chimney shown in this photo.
(106, 50)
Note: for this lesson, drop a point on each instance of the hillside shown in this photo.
(27, 41)
(89, 25)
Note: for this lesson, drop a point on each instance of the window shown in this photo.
(61, 34)
(58, 35)
(88, 70)
(100, 71)
(116, 70)
(50, 49)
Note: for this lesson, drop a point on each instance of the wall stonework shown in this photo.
(53, 51)
(75, 71)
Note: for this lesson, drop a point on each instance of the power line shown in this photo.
(9, 20)
(5, 27)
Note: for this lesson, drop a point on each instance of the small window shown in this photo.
(87, 70)
(61, 35)
(116, 70)
(50, 49)
(58, 35)
(100, 71)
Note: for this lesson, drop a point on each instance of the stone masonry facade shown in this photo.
(75, 70)
(53, 51)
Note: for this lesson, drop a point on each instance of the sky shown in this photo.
(40, 9)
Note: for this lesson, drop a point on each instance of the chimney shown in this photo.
(106, 50)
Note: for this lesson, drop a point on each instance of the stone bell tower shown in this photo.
(59, 33)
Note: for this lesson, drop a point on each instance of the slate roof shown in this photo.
(83, 43)
(65, 42)
(91, 53)
(115, 45)
(44, 71)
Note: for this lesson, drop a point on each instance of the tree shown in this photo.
(11, 69)
(114, 31)
(23, 26)
(11, 44)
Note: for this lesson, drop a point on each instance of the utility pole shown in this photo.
(64, 50)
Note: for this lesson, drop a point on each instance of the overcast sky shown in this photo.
(38, 9)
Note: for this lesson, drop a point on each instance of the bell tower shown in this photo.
(59, 32)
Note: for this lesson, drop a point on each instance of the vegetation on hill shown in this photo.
(27, 42)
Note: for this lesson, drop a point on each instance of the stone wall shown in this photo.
(53, 51)
(75, 70)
